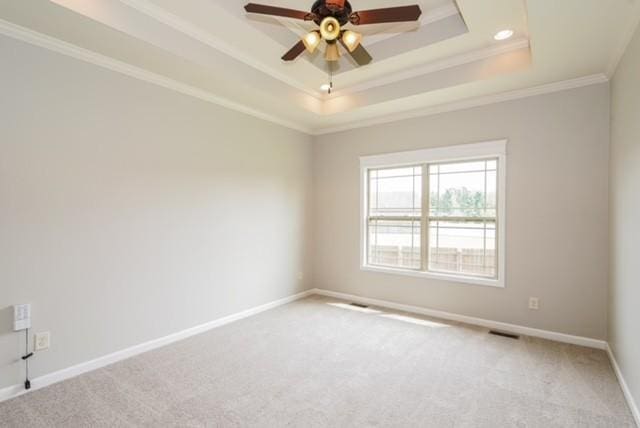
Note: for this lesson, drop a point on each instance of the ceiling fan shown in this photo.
(331, 16)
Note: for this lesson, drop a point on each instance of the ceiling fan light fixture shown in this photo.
(330, 28)
(311, 41)
(351, 40)
(330, 16)
(333, 52)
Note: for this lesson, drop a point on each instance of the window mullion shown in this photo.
(424, 221)
(368, 225)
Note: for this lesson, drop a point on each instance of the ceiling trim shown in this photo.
(50, 43)
(439, 13)
(427, 18)
(472, 102)
(47, 42)
(179, 24)
(621, 49)
(454, 61)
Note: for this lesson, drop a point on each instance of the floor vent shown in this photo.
(358, 305)
(503, 334)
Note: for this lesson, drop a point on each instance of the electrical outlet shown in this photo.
(534, 303)
(42, 341)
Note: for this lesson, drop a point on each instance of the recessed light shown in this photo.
(503, 35)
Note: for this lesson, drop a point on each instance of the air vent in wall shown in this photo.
(358, 305)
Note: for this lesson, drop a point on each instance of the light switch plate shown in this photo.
(21, 317)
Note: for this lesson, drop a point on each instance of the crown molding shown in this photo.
(433, 67)
(167, 18)
(471, 103)
(621, 49)
(47, 42)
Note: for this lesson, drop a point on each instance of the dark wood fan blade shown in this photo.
(279, 11)
(390, 14)
(360, 54)
(294, 52)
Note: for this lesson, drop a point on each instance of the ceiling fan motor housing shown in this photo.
(321, 10)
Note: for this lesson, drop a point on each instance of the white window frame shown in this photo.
(466, 152)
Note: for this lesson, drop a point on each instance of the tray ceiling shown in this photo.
(214, 50)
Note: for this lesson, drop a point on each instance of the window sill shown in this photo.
(440, 276)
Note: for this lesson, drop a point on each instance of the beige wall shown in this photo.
(129, 212)
(624, 296)
(557, 196)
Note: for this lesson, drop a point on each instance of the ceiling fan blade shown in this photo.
(360, 54)
(279, 11)
(390, 14)
(294, 52)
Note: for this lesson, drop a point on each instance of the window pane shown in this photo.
(394, 244)
(395, 192)
(463, 189)
(467, 248)
(462, 218)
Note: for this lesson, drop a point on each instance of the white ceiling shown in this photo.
(213, 50)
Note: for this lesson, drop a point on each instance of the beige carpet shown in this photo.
(321, 363)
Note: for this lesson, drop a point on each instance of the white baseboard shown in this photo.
(625, 388)
(51, 378)
(60, 375)
(511, 328)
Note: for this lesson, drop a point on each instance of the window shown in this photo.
(395, 217)
(436, 213)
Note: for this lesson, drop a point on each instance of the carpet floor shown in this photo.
(320, 362)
